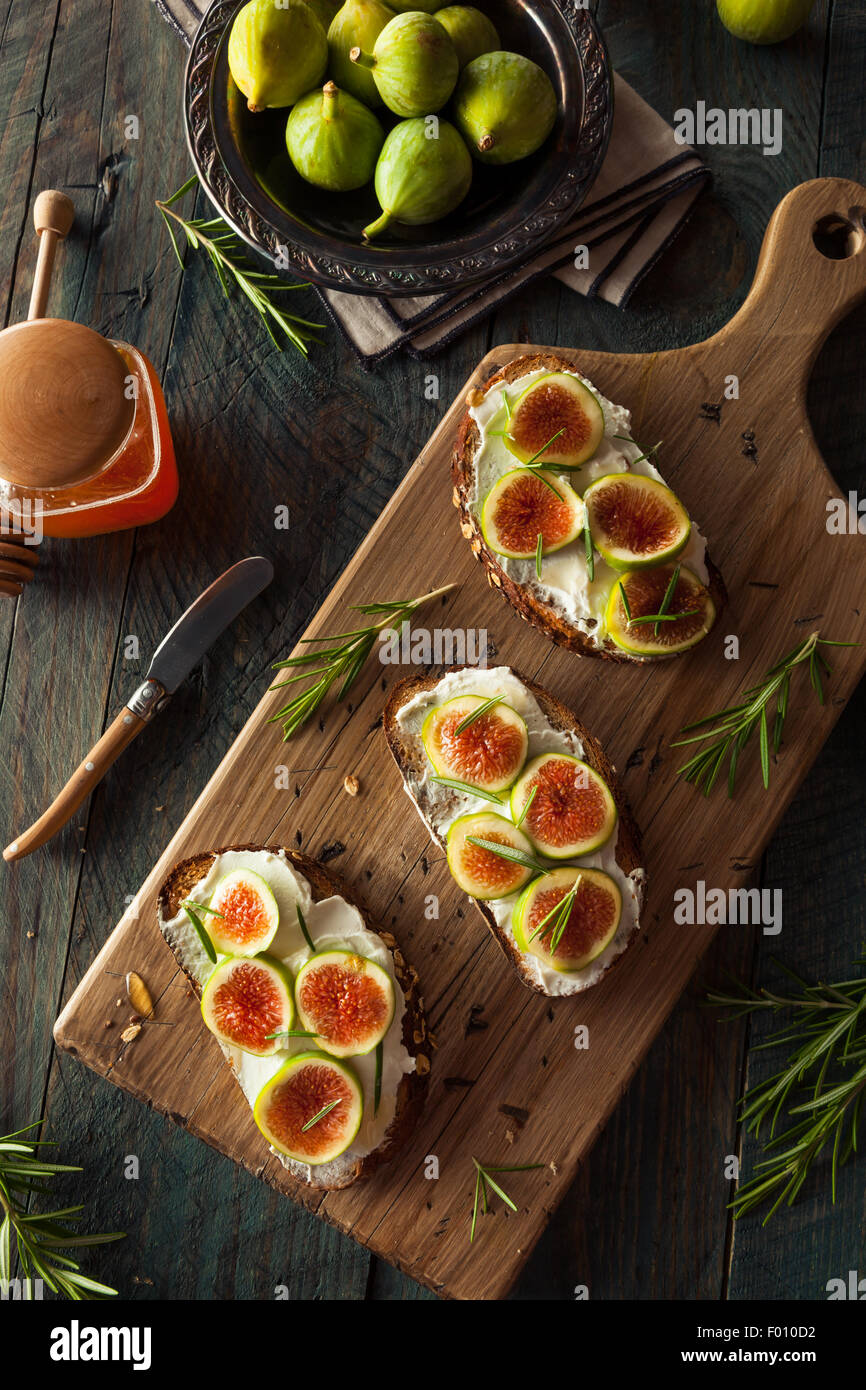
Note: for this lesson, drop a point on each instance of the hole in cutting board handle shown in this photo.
(838, 237)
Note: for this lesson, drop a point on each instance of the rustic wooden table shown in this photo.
(255, 428)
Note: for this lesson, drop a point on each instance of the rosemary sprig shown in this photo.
(290, 1033)
(732, 728)
(539, 551)
(477, 712)
(226, 254)
(340, 662)
(588, 547)
(191, 910)
(662, 616)
(516, 856)
(641, 457)
(525, 812)
(819, 1090)
(304, 930)
(40, 1237)
(534, 461)
(325, 1110)
(470, 790)
(483, 1181)
(560, 912)
(377, 1082)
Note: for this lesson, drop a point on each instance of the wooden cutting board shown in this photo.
(508, 1084)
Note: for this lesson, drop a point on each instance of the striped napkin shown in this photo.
(644, 193)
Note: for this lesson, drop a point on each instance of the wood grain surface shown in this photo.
(647, 1216)
(786, 574)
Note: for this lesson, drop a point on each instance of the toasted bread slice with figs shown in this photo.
(531, 606)
(415, 1038)
(412, 761)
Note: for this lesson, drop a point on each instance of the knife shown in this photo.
(178, 652)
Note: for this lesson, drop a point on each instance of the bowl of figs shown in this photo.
(397, 147)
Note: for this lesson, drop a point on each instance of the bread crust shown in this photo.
(528, 605)
(323, 884)
(628, 846)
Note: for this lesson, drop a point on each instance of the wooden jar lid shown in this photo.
(63, 404)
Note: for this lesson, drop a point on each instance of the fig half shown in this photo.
(556, 420)
(572, 811)
(592, 919)
(480, 872)
(521, 506)
(244, 915)
(635, 520)
(244, 1001)
(631, 623)
(488, 753)
(312, 1109)
(346, 1000)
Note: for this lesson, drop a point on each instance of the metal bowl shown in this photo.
(510, 211)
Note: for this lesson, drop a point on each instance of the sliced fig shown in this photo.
(592, 919)
(521, 506)
(245, 1000)
(312, 1109)
(645, 591)
(244, 916)
(488, 753)
(572, 811)
(635, 521)
(480, 872)
(347, 1000)
(553, 403)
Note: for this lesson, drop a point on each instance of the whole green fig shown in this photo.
(763, 21)
(413, 63)
(333, 139)
(505, 106)
(470, 31)
(276, 52)
(357, 25)
(424, 171)
(324, 10)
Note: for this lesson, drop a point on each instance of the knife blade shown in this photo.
(182, 648)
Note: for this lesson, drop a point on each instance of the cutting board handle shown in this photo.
(811, 273)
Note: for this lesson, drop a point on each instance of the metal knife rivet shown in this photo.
(127, 719)
(88, 767)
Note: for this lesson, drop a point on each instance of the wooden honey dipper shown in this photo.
(63, 408)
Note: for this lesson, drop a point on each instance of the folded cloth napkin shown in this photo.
(642, 196)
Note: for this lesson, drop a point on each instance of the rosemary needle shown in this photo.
(483, 1181)
(226, 254)
(342, 660)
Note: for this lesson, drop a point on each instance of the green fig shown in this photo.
(414, 64)
(333, 139)
(276, 52)
(324, 10)
(470, 31)
(357, 25)
(424, 171)
(505, 107)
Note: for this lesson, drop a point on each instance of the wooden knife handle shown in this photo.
(132, 719)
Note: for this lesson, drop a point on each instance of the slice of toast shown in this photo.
(531, 606)
(323, 884)
(412, 761)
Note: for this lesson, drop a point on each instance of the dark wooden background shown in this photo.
(254, 428)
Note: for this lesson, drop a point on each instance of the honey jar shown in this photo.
(85, 445)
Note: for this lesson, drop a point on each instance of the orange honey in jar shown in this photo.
(85, 445)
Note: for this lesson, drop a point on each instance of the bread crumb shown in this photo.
(474, 397)
(131, 1033)
(422, 1064)
(351, 784)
